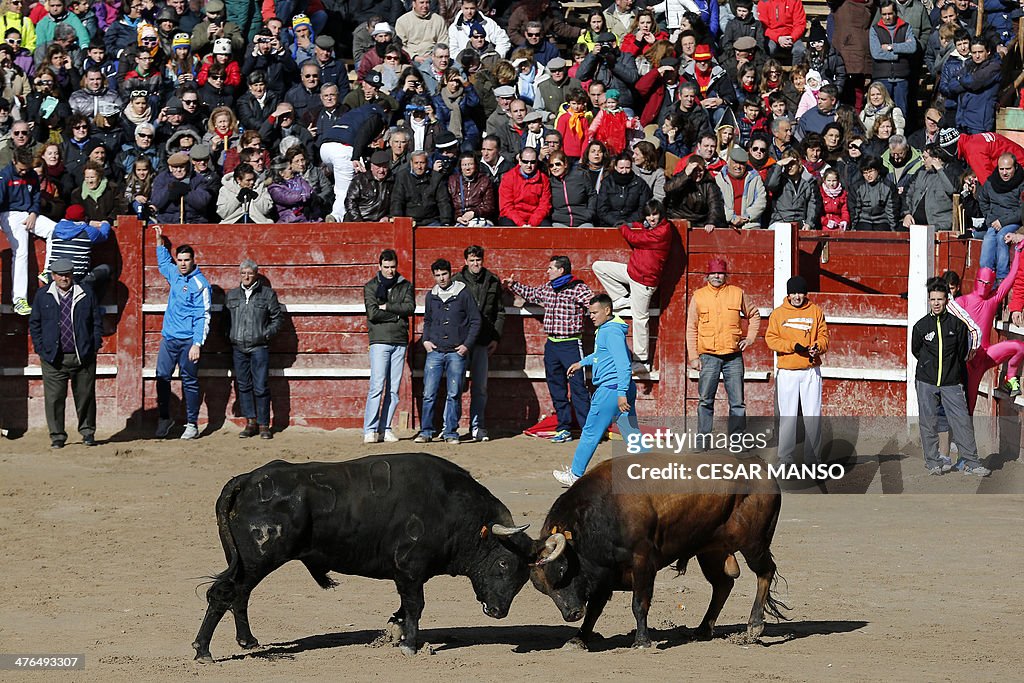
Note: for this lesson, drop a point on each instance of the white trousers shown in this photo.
(796, 389)
(339, 157)
(619, 285)
(13, 224)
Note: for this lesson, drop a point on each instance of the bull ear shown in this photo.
(501, 530)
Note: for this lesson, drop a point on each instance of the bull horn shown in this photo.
(556, 544)
(502, 530)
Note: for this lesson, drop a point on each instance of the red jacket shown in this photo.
(982, 152)
(651, 247)
(651, 87)
(631, 47)
(836, 211)
(782, 18)
(524, 201)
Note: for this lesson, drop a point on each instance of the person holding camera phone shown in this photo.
(268, 57)
(215, 26)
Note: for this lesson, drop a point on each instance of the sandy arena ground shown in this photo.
(103, 550)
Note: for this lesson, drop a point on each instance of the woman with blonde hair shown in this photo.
(221, 134)
(879, 102)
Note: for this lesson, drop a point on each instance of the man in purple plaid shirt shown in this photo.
(565, 299)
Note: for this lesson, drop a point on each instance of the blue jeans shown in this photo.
(730, 367)
(558, 356)
(386, 364)
(252, 376)
(995, 254)
(604, 409)
(899, 90)
(479, 364)
(453, 366)
(174, 353)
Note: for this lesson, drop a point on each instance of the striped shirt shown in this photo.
(563, 310)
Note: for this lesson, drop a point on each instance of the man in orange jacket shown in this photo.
(715, 344)
(798, 334)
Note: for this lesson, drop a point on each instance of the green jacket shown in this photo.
(389, 326)
(486, 291)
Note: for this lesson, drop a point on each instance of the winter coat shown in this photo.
(423, 198)
(829, 64)
(651, 247)
(619, 73)
(940, 344)
(1001, 201)
(573, 199)
(574, 142)
(930, 194)
(655, 179)
(977, 88)
(229, 208)
(796, 201)
(167, 195)
(87, 103)
(105, 208)
(290, 199)
(699, 202)
(451, 317)
(280, 69)
(782, 18)
(368, 199)
(755, 197)
(524, 201)
(853, 20)
(835, 211)
(610, 128)
(874, 207)
(487, 293)
(86, 321)
(252, 322)
(894, 63)
(472, 115)
(389, 326)
(474, 194)
(622, 203)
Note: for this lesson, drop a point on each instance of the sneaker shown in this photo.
(265, 432)
(641, 368)
(371, 437)
(191, 432)
(163, 427)
(565, 476)
(423, 438)
(389, 437)
(953, 449)
(21, 307)
(454, 440)
(977, 470)
(56, 445)
(945, 464)
(89, 440)
(561, 436)
(44, 279)
(1012, 387)
(480, 435)
(935, 471)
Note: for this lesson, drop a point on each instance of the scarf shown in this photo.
(384, 285)
(871, 110)
(562, 281)
(526, 92)
(144, 117)
(579, 124)
(94, 194)
(454, 103)
(54, 171)
(1006, 187)
(832, 193)
(622, 179)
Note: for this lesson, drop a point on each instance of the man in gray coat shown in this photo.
(253, 316)
(928, 200)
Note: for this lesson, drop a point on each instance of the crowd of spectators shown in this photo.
(733, 114)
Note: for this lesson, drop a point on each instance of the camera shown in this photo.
(262, 40)
(606, 50)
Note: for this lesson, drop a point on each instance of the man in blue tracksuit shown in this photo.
(615, 396)
(186, 326)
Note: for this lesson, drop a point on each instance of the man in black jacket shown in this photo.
(941, 342)
(451, 325)
(253, 316)
(369, 195)
(66, 329)
(389, 305)
(422, 194)
(486, 290)
(623, 195)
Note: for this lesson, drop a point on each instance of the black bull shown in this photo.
(406, 517)
(608, 533)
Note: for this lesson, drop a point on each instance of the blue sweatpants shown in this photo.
(604, 409)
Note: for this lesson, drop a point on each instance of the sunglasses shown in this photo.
(81, 126)
(196, 101)
(391, 58)
(139, 93)
(19, 132)
(758, 149)
(14, 41)
(533, 35)
(853, 147)
(934, 121)
(310, 75)
(553, 164)
(529, 162)
(215, 77)
(42, 81)
(144, 135)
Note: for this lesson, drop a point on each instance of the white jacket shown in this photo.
(458, 35)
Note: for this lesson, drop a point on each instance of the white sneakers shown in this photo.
(191, 432)
(389, 437)
(370, 437)
(565, 476)
(375, 437)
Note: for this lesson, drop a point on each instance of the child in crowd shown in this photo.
(609, 126)
(834, 200)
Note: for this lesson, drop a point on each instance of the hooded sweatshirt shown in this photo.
(610, 359)
(789, 326)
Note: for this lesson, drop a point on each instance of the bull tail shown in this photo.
(320, 576)
(772, 605)
(221, 590)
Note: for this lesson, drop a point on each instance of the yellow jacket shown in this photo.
(789, 326)
(713, 321)
(11, 19)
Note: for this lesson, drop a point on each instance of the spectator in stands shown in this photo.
(782, 137)
(815, 120)
(94, 89)
(19, 215)
(902, 163)
(813, 161)
(389, 305)
(646, 166)
(744, 197)
(835, 202)
(243, 198)
(253, 317)
(574, 124)
(485, 287)
(832, 138)
(642, 33)
(976, 88)
(458, 108)
(493, 162)
(524, 196)
(67, 331)
(289, 190)
(784, 24)
(98, 196)
(873, 202)
(178, 195)
(714, 87)
(55, 185)
(221, 134)
(879, 103)
(346, 142)
(472, 193)
(573, 198)
(556, 87)
(693, 196)
(451, 325)
(610, 124)
(929, 135)
(1000, 202)
(796, 198)
(470, 18)
(609, 65)
(369, 196)
(621, 200)
(269, 57)
(422, 194)
(758, 157)
(138, 187)
(848, 164)
(540, 49)
(928, 199)
(420, 30)
(672, 136)
(715, 344)
(879, 135)
(565, 299)
(822, 57)
(893, 45)
(185, 329)
(596, 24)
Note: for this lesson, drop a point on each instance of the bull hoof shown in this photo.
(394, 630)
(204, 658)
(754, 631)
(642, 644)
(407, 650)
(703, 633)
(575, 644)
(248, 644)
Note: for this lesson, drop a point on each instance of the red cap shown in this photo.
(717, 265)
(75, 212)
(703, 53)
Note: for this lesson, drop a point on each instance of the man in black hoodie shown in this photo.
(486, 290)
(940, 342)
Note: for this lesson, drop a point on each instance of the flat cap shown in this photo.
(62, 265)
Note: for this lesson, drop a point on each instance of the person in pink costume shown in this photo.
(982, 305)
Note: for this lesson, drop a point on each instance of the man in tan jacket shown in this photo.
(715, 344)
(798, 334)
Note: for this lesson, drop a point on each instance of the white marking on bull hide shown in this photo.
(380, 477)
(414, 527)
(327, 498)
(267, 489)
(264, 534)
